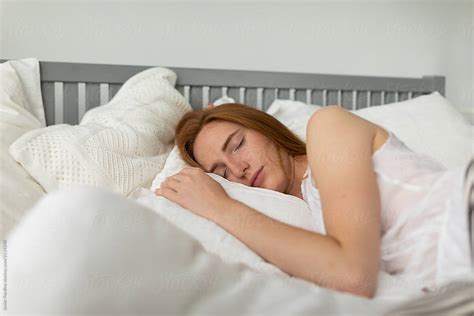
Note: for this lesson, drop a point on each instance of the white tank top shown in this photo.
(421, 212)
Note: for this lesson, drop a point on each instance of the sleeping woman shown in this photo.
(384, 206)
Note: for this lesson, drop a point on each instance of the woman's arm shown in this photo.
(304, 254)
(308, 255)
(339, 151)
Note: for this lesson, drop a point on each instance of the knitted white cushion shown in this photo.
(118, 146)
(20, 111)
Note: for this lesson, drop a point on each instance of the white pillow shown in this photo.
(293, 114)
(282, 207)
(21, 86)
(118, 146)
(271, 203)
(223, 100)
(428, 124)
(20, 93)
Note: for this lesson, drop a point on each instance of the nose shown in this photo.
(238, 171)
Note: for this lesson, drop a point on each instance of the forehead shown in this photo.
(210, 139)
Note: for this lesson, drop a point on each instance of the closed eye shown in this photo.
(236, 148)
(240, 144)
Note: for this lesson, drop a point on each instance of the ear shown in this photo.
(210, 106)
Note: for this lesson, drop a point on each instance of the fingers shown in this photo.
(166, 192)
(181, 177)
(172, 181)
(191, 170)
(170, 187)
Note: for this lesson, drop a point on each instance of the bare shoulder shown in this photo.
(336, 117)
(336, 114)
(335, 136)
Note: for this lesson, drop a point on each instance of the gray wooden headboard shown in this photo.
(70, 89)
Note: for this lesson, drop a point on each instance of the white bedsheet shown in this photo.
(89, 251)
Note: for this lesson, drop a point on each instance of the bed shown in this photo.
(96, 267)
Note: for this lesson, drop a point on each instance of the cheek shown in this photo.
(277, 181)
(274, 156)
(276, 178)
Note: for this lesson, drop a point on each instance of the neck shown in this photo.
(300, 164)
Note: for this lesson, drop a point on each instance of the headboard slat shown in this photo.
(58, 102)
(205, 96)
(81, 99)
(104, 93)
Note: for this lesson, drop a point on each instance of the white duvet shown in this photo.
(103, 253)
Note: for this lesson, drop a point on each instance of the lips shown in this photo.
(256, 177)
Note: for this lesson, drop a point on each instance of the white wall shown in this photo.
(384, 38)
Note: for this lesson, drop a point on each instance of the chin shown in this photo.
(275, 183)
(279, 187)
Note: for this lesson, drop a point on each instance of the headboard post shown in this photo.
(436, 83)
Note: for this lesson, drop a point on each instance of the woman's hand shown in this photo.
(196, 191)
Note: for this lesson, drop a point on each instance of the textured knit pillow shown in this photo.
(118, 146)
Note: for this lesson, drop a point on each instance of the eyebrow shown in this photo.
(224, 147)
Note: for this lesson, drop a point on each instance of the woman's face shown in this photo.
(240, 155)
